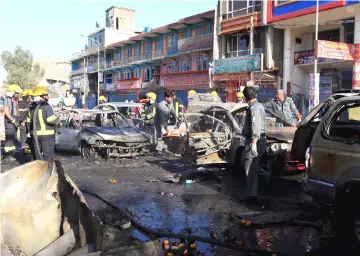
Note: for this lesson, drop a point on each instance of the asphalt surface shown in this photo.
(285, 220)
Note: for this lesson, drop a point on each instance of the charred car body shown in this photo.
(214, 136)
(95, 132)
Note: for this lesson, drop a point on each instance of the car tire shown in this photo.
(86, 151)
(346, 216)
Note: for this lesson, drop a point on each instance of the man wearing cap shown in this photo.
(284, 107)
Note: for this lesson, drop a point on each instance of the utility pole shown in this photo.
(316, 75)
(251, 42)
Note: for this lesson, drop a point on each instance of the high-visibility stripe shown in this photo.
(51, 118)
(177, 108)
(151, 115)
(28, 119)
(41, 120)
(46, 132)
(8, 149)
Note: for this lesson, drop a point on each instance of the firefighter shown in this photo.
(24, 105)
(45, 124)
(102, 99)
(240, 97)
(12, 118)
(178, 105)
(191, 95)
(149, 116)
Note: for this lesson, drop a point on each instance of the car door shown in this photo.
(306, 130)
(68, 134)
(61, 125)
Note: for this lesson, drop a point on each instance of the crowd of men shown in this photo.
(33, 118)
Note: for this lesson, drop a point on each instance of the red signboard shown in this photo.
(185, 79)
(128, 83)
(334, 50)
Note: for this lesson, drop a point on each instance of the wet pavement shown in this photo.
(202, 208)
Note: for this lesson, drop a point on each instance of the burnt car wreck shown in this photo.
(99, 133)
(214, 136)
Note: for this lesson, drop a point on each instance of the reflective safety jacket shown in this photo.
(45, 121)
(179, 107)
(150, 113)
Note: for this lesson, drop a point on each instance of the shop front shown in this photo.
(182, 82)
(234, 73)
(127, 89)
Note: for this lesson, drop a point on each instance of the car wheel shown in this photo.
(346, 216)
(86, 151)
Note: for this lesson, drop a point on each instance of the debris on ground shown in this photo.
(111, 180)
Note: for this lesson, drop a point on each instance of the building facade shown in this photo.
(335, 50)
(175, 56)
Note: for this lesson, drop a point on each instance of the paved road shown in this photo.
(204, 207)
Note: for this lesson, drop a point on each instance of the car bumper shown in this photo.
(321, 190)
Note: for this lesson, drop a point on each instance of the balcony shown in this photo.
(240, 53)
(80, 70)
(137, 58)
(171, 51)
(195, 43)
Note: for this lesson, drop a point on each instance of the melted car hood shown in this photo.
(128, 134)
(281, 133)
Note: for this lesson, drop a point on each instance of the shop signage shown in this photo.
(308, 57)
(187, 79)
(314, 94)
(111, 87)
(334, 50)
(247, 63)
(231, 77)
(128, 84)
(100, 76)
(195, 43)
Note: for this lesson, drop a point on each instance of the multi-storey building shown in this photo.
(246, 51)
(85, 73)
(337, 45)
(175, 56)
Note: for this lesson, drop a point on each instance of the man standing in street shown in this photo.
(164, 112)
(284, 107)
(45, 124)
(12, 118)
(149, 116)
(255, 142)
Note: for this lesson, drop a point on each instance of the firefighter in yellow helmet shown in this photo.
(214, 93)
(191, 92)
(149, 118)
(12, 118)
(191, 95)
(102, 99)
(240, 97)
(24, 105)
(45, 121)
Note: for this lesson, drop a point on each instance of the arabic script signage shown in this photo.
(308, 57)
(242, 64)
(187, 79)
(334, 50)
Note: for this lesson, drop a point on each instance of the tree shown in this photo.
(21, 68)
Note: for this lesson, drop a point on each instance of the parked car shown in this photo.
(328, 140)
(214, 136)
(96, 132)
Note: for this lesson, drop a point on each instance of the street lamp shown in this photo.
(98, 64)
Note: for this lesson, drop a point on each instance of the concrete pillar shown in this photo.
(287, 58)
(223, 46)
(356, 64)
(269, 47)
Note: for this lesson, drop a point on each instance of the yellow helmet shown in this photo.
(191, 92)
(151, 95)
(214, 93)
(239, 95)
(102, 98)
(14, 88)
(40, 90)
(27, 92)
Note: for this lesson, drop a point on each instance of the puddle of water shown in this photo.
(204, 214)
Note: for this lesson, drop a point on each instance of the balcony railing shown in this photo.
(195, 43)
(79, 71)
(142, 57)
(240, 53)
(171, 50)
(247, 10)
